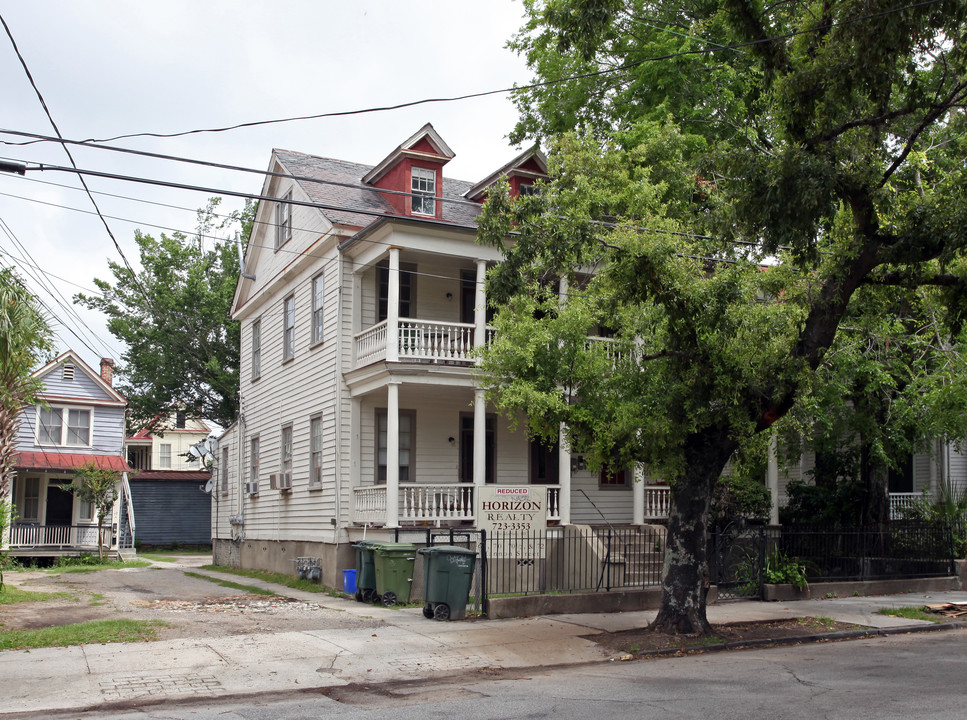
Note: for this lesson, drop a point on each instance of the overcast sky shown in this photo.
(113, 68)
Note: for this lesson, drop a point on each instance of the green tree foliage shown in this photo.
(173, 316)
(721, 212)
(25, 339)
(98, 486)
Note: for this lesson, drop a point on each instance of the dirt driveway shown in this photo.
(190, 607)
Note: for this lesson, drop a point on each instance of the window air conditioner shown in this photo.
(252, 488)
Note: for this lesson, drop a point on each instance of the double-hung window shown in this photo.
(285, 464)
(165, 455)
(224, 472)
(253, 460)
(407, 441)
(64, 426)
(256, 349)
(288, 328)
(315, 451)
(283, 221)
(318, 288)
(423, 187)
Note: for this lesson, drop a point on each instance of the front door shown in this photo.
(60, 504)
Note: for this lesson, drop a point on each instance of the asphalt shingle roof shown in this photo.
(351, 201)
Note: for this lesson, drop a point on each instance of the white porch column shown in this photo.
(479, 401)
(479, 438)
(480, 306)
(772, 480)
(393, 454)
(564, 476)
(393, 307)
(564, 447)
(638, 495)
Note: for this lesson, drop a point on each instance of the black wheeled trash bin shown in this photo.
(365, 571)
(448, 576)
(394, 571)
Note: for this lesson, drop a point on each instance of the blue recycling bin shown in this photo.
(349, 581)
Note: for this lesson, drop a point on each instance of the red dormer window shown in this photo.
(423, 187)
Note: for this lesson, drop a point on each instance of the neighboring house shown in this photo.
(79, 418)
(361, 300)
(168, 482)
(163, 444)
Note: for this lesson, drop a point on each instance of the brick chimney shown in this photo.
(107, 371)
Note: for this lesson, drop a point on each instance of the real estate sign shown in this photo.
(515, 518)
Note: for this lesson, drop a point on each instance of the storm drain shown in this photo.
(124, 688)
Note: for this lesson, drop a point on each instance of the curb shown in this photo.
(803, 639)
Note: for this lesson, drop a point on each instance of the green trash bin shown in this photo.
(447, 578)
(394, 571)
(365, 571)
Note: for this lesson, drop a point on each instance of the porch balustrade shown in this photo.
(429, 503)
(438, 503)
(900, 501)
(56, 536)
(657, 501)
(426, 340)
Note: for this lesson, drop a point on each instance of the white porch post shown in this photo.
(638, 495)
(393, 307)
(564, 476)
(772, 480)
(480, 306)
(393, 454)
(479, 401)
(479, 438)
(564, 447)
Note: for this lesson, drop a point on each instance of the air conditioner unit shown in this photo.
(252, 488)
(285, 482)
(273, 482)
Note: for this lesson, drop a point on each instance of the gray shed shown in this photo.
(171, 507)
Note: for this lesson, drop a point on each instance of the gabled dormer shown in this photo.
(413, 173)
(522, 173)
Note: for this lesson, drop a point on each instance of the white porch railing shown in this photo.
(657, 500)
(900, 501)
(418, 340)
(429, 503)
(57, 536)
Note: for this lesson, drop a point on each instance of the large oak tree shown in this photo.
(729, 180)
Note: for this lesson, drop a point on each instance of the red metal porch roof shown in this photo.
(42, 461)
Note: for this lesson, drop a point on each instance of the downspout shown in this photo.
(337, 379)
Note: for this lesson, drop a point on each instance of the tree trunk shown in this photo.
(685, 580)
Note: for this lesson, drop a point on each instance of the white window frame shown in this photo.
(31, 500)
(315, 451)
(257, 349)
(253, 459)
(285, 450)
(318, 290)
(283, 221)
(423, 189)
(288, 328)
(407, 445)
(66, 427)
(223, 480)
(164, 456)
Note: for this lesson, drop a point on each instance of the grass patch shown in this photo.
(97, 631)
(279, 579)
(251, 589)
(110, 565)
(158, 557)
(11, 594)
(910, 613)
(825, 624)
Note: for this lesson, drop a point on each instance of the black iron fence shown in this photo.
(743, 560)
(576, 559)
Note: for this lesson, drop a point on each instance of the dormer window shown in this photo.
(423, 187)
(283, 221)
(526, 190)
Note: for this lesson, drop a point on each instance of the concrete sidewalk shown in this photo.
(406, 646)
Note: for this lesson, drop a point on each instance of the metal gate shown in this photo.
(737, 562)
